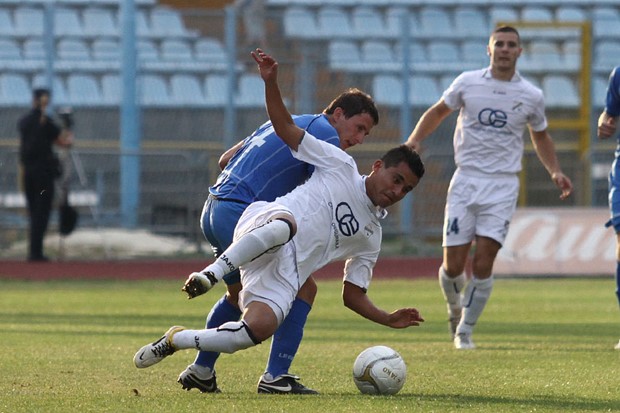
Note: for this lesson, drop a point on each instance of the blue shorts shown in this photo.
(218, 221)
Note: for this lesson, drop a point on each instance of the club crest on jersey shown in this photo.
(492, 117)
(347, 223)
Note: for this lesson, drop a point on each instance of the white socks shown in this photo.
(227, 338)
(451, 288)
(475, 298)
(250, 246)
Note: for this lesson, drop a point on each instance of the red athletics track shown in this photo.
(393, 267)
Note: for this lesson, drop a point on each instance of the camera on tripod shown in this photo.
(65, 114)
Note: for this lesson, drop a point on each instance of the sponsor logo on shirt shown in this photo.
(347, 223)
(492, 117)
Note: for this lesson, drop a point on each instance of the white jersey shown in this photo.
(335, 218)
(493, 116)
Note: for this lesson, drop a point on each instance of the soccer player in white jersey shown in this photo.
(335, 215)
(495, 106)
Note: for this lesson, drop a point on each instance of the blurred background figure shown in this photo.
(253, 15)
(40, 166)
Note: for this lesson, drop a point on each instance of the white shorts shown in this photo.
(271, 278)
(479, 206)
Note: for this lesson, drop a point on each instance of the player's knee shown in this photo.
(308, 291)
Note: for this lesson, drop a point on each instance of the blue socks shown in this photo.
(222, 312)
(286, 340)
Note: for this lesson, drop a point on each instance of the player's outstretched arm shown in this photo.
(357, 300)
(279, 115)
(545, 149)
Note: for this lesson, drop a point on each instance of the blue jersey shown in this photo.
(612, 104)
(264, 168)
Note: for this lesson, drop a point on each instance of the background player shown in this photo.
(496, 104)
(261, 168)
(308, 224)
(607, 124)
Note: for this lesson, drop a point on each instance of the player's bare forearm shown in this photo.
(606, 126)
(279, 115)
(358, 301)
(545, 149)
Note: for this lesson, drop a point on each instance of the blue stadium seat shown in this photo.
(154, 91)
(571, 54)
(475, 52)
(378, 55)
(606, 54)
(9, 50)
(560, 92)
(367, 22)
(33, 49)
(166, 22)
(599, 90)
(394, 16)
(570, 14)
(216, 90)
(435, 22)
(67, 22)
(606, 22)
(344, 55)
(387, 90)
(542, 56)
(72, 49)
(333, 22)
(536, 14)
(6, 22)
(110, 89)
(28, 21)
(83, 90)
(106, 49)
(251, 91)
(209, 52)
(147, 51)
(299, 22)
(99, 22)
(14, 89)
(423, 91)
(186, 90)
(176, 50)
(503, 13)
(470, 21)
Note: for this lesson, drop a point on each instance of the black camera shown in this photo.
(66, 117)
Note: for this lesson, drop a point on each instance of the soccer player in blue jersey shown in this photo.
(335, 215)
(607, 124)
(261, 168)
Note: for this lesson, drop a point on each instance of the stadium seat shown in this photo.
(560, 92)
(333, 22)
(143, 27)
(504, 14)
(606, 54)
(210, 53)
(299, 22)
(571, 54)
(434, 22)
(28, 21)
(99, 22)
(73, 49)
(416, 50)
(216, 90)
(475, 52)
(83, 90)
(67, 22)
(470, 21)
(542, 55)
(387, 90)
(378, 55)
(6, 22)
(570, 14)
(599, 90)
(147, 51)
(536, 14)
(394, 16)
(106, 49)
(110, 89)
(14, 89)
(344, 55)
(186, 90)
(33, 49)
(166, 22)
(606, 22)
(176, 50)
(9, 50)
(154, 91)
(423, 90)
(367, 22)
(251, 91)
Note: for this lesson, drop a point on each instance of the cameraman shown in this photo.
(40, 167)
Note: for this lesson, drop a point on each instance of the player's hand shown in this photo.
(267, 65)
(564, 183)
(606, 126)
(198, 283)
(405, 317)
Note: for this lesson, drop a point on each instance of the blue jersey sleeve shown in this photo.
(612, 105)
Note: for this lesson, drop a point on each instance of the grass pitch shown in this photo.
(543, 345)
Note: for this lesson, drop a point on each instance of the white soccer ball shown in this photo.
(379, 370)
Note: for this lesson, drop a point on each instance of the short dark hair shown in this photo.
(506, 29)
(38, 93)
(404, 153)
(353, 102)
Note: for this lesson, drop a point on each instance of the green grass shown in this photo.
(543, 345)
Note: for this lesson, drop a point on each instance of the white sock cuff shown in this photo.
(482, 284)
(458, 280)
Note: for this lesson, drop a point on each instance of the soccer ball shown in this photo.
(379, 370)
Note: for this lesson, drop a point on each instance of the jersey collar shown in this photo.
(486, 73)
(375, 210)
